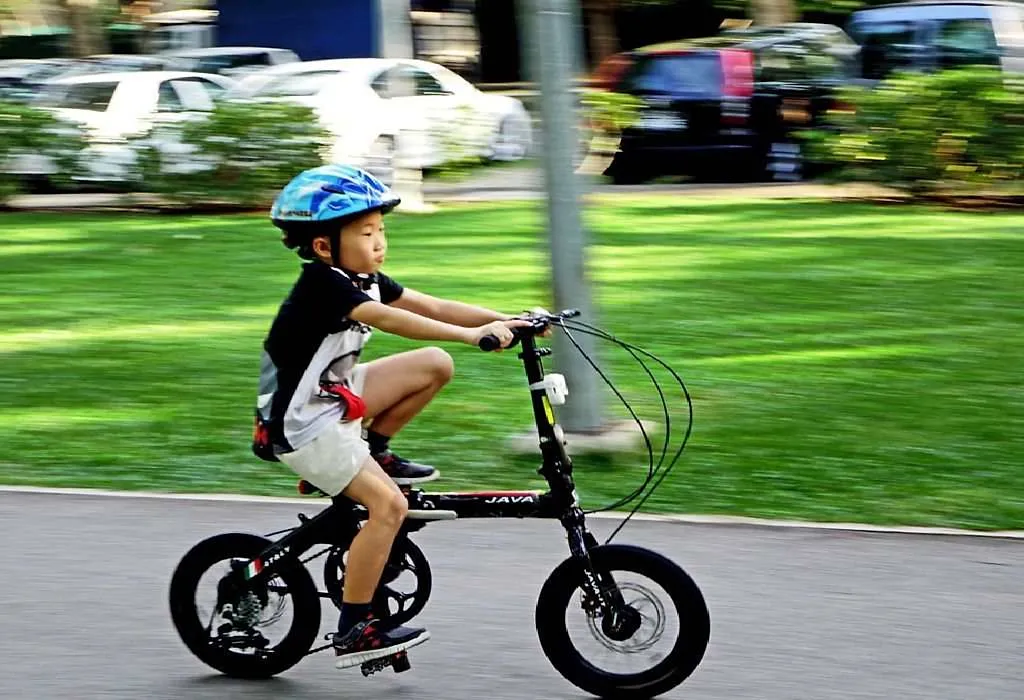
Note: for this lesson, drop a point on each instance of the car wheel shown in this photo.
(509, 140)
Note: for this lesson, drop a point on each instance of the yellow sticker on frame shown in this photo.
(547, 410)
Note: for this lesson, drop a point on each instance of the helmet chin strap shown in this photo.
(336, 249)
(362, 280)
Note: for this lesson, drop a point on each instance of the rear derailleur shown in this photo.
(235, 633)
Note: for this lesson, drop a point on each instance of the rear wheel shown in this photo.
(640, 649)
(244, 633)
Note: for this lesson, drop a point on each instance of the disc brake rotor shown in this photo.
(642, 633)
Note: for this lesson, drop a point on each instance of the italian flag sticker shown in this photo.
(255, 566)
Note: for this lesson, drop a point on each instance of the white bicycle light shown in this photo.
(554, 386)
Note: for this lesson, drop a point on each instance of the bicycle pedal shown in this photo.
(370, 667)
(400, 662)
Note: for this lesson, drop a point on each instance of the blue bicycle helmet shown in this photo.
(319, 201)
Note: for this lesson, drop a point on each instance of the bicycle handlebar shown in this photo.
(489, 343)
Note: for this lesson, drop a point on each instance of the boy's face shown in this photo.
(363, 244)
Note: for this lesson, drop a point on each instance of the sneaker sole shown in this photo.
(407, 480)
(359, 658)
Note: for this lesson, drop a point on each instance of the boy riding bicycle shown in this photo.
(314, 394)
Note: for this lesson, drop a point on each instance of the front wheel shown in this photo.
(661, 624)
(251, 632)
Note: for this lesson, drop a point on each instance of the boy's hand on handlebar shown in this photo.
(502, 330)
(538, 313)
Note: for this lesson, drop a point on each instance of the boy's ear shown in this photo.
(322, 246)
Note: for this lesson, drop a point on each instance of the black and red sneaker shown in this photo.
(367, 641)
(404, 472)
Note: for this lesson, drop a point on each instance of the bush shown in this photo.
(951, 133)
(605, 114)
(31, 138)
(239, 156)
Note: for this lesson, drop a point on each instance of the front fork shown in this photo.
(601, 594)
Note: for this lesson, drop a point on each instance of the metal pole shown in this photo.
(395, 40)
(394, 29)
(549, 57)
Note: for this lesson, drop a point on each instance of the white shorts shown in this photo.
(333, 458)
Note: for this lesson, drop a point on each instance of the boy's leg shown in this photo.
(396, 389)
(370, 548)
(338, 462)
(359, 639)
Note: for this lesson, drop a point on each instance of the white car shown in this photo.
(232, 61)
(113, 107)
(417, 111)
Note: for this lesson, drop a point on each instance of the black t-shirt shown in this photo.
(311, 339)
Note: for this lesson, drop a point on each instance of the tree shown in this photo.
(604, 38)
(773, 11)
(85, 19)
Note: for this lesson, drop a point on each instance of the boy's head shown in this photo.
(335, 213)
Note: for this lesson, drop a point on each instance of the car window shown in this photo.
(966, 41)
(426, 84)
(167, 99)
(676, 75)
(94, 97)
(783, 63)
(281, 57)
(213, 89)
(395, 82)
(828, 62)
(195, 94)
(215, 64)
(887, 46)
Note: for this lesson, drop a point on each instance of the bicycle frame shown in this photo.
(339, 522)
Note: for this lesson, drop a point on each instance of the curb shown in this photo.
(718, 520)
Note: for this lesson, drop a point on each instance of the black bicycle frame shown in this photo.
(338, 523)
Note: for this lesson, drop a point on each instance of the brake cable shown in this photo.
(652, 469)
(662, 474)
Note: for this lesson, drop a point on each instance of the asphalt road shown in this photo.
(796, 614)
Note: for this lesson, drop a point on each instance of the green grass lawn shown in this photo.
(847, 361)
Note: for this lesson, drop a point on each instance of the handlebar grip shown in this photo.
(489, 343)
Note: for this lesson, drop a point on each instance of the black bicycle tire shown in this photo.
(687, 653)
(306, 608)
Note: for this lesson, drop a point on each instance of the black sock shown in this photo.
(351, 615)
(378, 443)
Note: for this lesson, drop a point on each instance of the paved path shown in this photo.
(796, 614)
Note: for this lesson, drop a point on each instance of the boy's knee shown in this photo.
(442, 366)
(391, 511)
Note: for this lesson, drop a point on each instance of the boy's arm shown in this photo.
(409, 324)
(447, 310)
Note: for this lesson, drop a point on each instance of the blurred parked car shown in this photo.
(727, 105)
(932, 35)
(234, 61)
(117, 63)
(377, 108)
(21, 79)
(114, 107)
